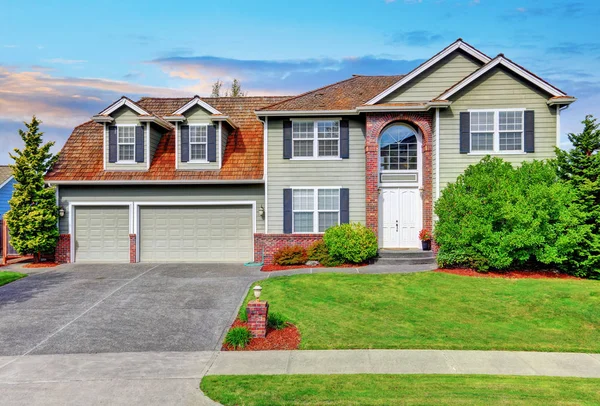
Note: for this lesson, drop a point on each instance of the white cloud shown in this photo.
(62, 61)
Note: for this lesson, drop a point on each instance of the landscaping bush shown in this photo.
(291, 255)
(318, 252)
(499, 217)
(276, 321)
(353, 242)
(238, 337)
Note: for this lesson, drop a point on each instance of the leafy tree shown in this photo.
(580, 167)
(236, 89)
(216, 89)
(33, 212)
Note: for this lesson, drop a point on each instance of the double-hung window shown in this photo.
(315, 209)
(316, 139)
(198, 141)
(497, 131)
(126, 143)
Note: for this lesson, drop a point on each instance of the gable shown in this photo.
(197, 114)
(125, 115)
(428, 85)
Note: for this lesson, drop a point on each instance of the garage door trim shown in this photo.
(136, 216)
(73, 207)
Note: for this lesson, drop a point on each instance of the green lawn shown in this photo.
(400, 390)
(438, 311)
(8, 277)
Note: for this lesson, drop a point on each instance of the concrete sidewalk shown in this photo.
(406, 362)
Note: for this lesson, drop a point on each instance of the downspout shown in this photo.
(437, 154)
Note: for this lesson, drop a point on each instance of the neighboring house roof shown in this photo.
(341, 96)
(81, 158)
(5, 174)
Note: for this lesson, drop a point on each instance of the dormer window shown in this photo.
(198, 142)
(126, 143)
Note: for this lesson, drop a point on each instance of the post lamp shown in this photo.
(257, 289)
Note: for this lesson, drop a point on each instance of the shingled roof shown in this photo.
(5, 173)
(345, 95)
(81, 158)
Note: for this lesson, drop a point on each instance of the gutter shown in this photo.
(154, 182)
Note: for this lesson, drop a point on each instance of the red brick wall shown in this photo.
(271, 243)
(132, 249)
(62, 254)
(376, 122)
(257, 313)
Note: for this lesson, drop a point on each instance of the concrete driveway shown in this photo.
(121, 308)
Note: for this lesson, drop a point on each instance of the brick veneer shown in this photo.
(376, 122)
(132, 249)
(258, 313)
(62, 254)
(271, 243)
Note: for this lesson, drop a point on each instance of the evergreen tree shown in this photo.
(33, 213)
(236, 89)
(580, 167)
(216, 89)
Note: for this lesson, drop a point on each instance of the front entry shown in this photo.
(401, 217)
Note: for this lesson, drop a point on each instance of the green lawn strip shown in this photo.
(8, 277)
(400, 390)
(438, 311)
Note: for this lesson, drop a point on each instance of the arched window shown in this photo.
(398, 149)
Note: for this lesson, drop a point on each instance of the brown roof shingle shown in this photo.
(5, 173)
(345, 95)
(81, 158)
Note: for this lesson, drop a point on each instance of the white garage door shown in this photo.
(196, 234)
(101, 234)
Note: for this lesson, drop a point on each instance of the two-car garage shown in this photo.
(163, 232)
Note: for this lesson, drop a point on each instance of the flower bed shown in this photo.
(275, 267)
(287, 338)
(41, 265)
(508, 274)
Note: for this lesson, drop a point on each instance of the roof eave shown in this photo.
(424, 107)
(561, 101)
(156, 120)
(156, 182)
(306, 113)
(102, 119)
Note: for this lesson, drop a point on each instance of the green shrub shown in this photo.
(318, 252)
(353, 242)
(290, 255)
(238, 337)
(499, 217)
(276, 321)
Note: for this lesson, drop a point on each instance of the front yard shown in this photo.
(438, 311)
(7, 277)
(400, 390)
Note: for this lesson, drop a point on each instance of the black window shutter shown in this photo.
(344, 139)
(139, 144)
(185, 143)
(287, 139)
(529, 131)
(344, 206)
(287, 211)
(211, 153)
(112, 144)
(465, 133)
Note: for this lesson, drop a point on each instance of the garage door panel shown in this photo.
(101, 234)
(196, 234)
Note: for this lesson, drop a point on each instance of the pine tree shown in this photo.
(33, 213)
(216, 89)
(580, 167)
(236, 89)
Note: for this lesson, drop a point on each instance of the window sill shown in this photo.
(483, 153)
(198, 162)
(310, 158)
(127, 163)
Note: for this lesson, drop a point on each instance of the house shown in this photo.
(7, 182)
(233, 179)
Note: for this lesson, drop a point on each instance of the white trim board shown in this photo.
(197, 101)
(500, 60)
(124, 101)
(459, 44)
(6, 181)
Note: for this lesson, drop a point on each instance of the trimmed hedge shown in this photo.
(290, 255)
(354, 242)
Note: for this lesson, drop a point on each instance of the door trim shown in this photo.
(73, 207)
(136, 214)
(380, 211)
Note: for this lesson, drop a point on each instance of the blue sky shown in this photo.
(65, 63)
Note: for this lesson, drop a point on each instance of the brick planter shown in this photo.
(258, 313)
(271, 243)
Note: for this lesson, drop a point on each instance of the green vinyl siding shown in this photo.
(197, 115)
(285, 173)
(160, 193)
(435, 80)
(498, 89)
(124, 115)
(155, 134)
(224, 136)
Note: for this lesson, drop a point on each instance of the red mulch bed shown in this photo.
(275, 267)
(508, 274)
(287, 338)
(42, 265)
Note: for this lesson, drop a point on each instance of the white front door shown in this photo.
(401, 219)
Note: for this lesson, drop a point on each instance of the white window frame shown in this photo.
(194, 161)
(127, 161)
(315, 140)
(315, 210)
(496, 135)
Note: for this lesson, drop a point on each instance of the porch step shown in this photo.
(406, 257)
